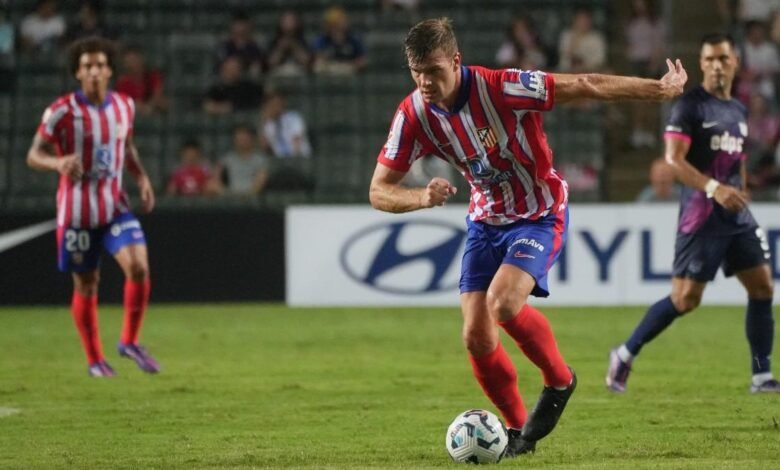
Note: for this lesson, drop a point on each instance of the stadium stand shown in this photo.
(347, 117)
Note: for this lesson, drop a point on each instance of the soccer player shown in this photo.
(87, 137)
(487, 124)
(704, 140)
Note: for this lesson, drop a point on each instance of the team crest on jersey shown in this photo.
(487, 137)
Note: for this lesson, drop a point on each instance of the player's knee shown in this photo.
(87, 284)
(479, 341)
(503, 305)
(686, 301)
(762, 291)
(137, 271)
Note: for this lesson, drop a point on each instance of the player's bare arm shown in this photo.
(570, 87)
(387, 194)
(136, 168)
(727, 196)
(42, 156)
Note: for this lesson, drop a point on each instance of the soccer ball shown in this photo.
(476, 436)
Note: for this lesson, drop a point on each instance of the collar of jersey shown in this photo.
(82, 98)
(463, 93)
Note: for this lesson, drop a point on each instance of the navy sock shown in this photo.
(660, 315)
(760, 329)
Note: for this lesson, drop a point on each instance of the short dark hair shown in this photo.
(714, 39)
(427, 36)
(90, 45)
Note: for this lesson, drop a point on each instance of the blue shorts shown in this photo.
(531, 245)
(79, 250)
(698, 257)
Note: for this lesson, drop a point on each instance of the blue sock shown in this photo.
(760, 329)
(660, 315)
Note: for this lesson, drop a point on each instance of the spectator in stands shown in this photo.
(241, 43)
(7, 49)
(145, 86)
(288, 53)
(662, 187)
(761, 64)
(581, 47)
(338, 50)
(42, 30)
(90, 22)
(521, 48)
(283, 135)
(756, 10)
(283, 131)
(644, 39)
(243, 170)
(774, 31)
(192, 176)
(645, 52)
(764, 128)
(232, 92)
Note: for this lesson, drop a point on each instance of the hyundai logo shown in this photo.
(412, 257)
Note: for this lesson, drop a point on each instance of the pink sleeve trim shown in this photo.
(678, 136)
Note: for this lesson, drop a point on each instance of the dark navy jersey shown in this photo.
(716, 130)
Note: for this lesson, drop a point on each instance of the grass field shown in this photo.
(253, 386)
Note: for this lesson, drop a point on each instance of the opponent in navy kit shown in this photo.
(488, 125)
(704, 144)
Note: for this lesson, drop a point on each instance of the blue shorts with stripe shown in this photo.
(79, 250)
(531, 245)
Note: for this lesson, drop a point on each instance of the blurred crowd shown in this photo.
(264, 152)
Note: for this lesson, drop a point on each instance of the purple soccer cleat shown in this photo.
(769, 386)
(101, 369)
(617, 373)
(142, 358)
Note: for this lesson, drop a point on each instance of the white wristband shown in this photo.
(710, 187)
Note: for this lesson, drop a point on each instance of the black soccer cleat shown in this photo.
(516, 445)
(547, 411)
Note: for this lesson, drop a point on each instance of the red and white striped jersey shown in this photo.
(494, 137)
(97, 134)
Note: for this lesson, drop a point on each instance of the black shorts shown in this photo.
(698, 257)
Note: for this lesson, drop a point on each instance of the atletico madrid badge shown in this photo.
(487, 137)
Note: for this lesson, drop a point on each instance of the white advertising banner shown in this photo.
(616, 254)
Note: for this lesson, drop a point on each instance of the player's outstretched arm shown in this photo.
(727, 196)
(43, 157)
(387, 194)
(571, 87)
(134, 166)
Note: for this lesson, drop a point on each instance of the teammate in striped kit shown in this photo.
(86, 137)
(486, 123)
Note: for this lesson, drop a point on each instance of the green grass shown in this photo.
(252, 386)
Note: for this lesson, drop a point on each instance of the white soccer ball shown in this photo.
(476, 436)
